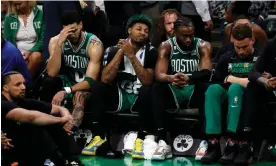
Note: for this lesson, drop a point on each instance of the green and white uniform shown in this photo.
(182, 61)
(75, 60)
(126, 80)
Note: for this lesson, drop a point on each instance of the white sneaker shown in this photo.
(163, 151)
(201, 150)
(149, 147)
(129, 142)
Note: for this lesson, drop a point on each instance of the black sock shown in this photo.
(213, 136)
(142, 134)
(232, 136)
(246, 135)
(98, 130)
(161, 134)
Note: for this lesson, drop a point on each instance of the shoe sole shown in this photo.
(137, 157)
(198, 158)
(162, 158)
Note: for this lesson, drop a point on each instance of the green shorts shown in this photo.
(126, 101)
(182, 94)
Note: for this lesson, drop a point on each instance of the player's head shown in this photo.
(243, 40)
(73, 18)
(13, 84)
(138, 28)
(167, 20)
(184, 31)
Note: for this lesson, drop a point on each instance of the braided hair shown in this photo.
(183, 21)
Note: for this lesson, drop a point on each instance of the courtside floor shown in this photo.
(127, 161)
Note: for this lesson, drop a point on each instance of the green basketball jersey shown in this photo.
(75, 60)
(182, 61)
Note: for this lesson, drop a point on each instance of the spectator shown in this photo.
(36, 134)
(12, 60)
(260, 90)
(24, 27)
(165, 26)
(198, 11)
(231, 78)
(183, 67)
(128, 72)
(74, 65)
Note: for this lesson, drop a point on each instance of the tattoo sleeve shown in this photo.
(79, 102)
(110, 71)
(143, 75)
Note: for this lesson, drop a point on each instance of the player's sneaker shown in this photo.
(93, 146)
(150, 147)
(201, 151)
(129, 143)
(138, 152)
(163, 151)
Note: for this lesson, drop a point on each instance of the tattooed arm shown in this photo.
(145, 75)
(111, 69)
(95, 51)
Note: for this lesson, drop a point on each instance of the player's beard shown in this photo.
(76, 42)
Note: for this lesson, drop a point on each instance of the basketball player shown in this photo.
(183, 62)
(127, 75)
(73, 66)
(231, 79)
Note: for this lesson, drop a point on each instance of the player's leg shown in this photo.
(103, 97)
(235, 97)
(163, 97)
(50, 86)
(255, 96)
(214, 98)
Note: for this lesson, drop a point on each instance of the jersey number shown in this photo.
(79, 76)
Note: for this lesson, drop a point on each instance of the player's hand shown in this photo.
(179, 80)
(65, 119)
(208, 25)
(58, 98)
(5, 141)
(126, 47)
(68, 127)
(65, 32)
(266, 75)
(270, 83)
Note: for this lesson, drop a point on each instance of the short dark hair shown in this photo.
(5, 79)
(242, 31)
(70, 17)
(183, 21)
(241, 17)
(139, 18)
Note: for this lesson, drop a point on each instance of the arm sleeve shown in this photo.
(109, 55)
(202, 8)
(260, 65)
(222, 68)
(39, 44)
(7, 29)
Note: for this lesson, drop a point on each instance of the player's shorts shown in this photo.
(182, 94)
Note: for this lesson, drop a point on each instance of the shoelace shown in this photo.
(138, 147)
